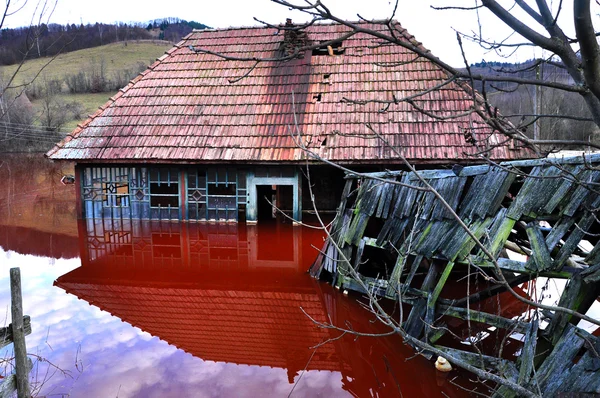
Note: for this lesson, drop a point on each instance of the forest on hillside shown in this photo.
(523, 104)
(46, 40)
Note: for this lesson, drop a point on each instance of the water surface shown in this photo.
(142, 309)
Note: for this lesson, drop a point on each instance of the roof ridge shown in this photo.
(322, 23)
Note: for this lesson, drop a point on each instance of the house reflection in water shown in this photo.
(235, 293)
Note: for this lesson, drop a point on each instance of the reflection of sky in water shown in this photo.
(117, 359)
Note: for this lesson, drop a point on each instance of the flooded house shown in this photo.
(223, 126)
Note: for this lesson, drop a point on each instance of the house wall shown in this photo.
(197, 192)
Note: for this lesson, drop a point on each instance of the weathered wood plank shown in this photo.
(6, 336)
(433, 297)
(18, 334)
(527, 353)
(9, 385)
(539, 251)
(359, 253)
(573, 240)
(393, 287)
(562, 190)
(560, 360)
(578, 296)
(414, 323)
(521, 204)
(482, 317)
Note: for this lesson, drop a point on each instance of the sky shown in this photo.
(434, 28)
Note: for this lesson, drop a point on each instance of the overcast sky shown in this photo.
(433, 28)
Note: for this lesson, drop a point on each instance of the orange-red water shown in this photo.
(144, 309)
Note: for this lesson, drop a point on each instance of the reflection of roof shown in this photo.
(243, 327)
(187, 106)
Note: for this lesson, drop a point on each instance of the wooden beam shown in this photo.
(527, 353)
(539, 251)
(6, 335)
(18, 332)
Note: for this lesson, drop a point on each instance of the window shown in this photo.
(164, 194)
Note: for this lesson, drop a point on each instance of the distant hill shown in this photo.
(525, 70)
(518, 102)
(48, 40)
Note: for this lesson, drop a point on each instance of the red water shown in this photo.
(174, 309)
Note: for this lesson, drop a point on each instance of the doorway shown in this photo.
(272, 201)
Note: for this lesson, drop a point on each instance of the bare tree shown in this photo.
(13, 88)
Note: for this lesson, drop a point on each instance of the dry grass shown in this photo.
(90, 103)
(117, 56)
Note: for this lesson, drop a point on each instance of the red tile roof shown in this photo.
(186, 107)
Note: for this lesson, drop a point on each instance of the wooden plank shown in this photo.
(521, 204)
(386, 195)
(20, 349)
(482, 317)
(393, 287)
(559, 361)
(506, 264)
(539, 251)
(545, 188)
(359, 253)
(594, 256)
(500, 236)
(573, 240)
(413, 269)
(432, 237)
(527, 353)
(9, 385)
(580, 194)
(414, 324)
(577, 296)
(356, 229)
(470, 171)
(558, 232)
(432, 298)
(561, 191)
(592, 274)
(6, 336)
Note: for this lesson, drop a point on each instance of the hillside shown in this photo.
(519, 102)
(117, 56)
(46, 40)
(69, 87)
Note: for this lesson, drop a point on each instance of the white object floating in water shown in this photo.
(443, 365)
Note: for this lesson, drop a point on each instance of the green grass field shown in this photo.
(117, 56)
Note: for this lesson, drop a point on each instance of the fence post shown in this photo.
(21, 364)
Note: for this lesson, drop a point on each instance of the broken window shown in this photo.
(164, 194)
(331, 49)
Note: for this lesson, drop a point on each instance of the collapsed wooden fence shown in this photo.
(390, 228)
